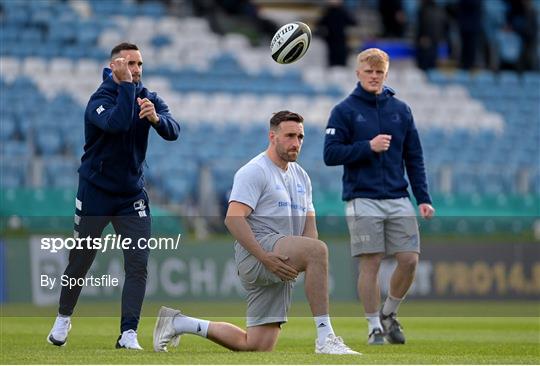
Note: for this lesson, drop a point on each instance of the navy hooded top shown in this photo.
(366, 174)
(116, 138)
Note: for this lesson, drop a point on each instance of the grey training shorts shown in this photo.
(268, 297)
(382, 226)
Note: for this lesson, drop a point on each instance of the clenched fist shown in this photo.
(380, 143)
(147, 110)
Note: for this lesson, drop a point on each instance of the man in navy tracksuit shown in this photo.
(372, 134)
(118, 119)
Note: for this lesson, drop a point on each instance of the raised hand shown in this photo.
(120, 69)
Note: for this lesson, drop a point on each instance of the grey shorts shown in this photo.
(382, 226)
(268, 297)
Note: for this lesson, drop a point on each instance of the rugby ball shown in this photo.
(290, 42)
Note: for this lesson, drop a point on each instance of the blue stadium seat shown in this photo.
(13, 173)
(61, 172)
(49, 141)
(58, 128)
(16, 150)
(153, 9)
(8, 129)
(177, 188)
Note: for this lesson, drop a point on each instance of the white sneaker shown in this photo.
(128, 340)
(59, 331)
(164, 332)
(334, 345)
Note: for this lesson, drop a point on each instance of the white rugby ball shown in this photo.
(290, 42)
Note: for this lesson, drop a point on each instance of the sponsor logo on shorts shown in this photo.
(140, 206)
(364, 238)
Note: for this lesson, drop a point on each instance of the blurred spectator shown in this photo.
(332, 26)
(393, 18)
(469, 18)
(247, 10)
(240, 16)
(521, 18)
(509, 47)
(431, 30)
(209, 10)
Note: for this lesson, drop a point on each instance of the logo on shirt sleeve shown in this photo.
(100, 109)
(330, 131)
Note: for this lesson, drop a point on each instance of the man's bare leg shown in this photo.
(171, 324)
(368, 281)
(401, 281)
(370, 294)
(311, 256)
(403, 275)
(258, 338)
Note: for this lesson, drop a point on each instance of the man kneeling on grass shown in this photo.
(272, 218)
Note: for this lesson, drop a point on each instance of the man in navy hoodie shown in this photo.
(372, 134)
(117, 122)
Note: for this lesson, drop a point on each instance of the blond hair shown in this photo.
(374, 57)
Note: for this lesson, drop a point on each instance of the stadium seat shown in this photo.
(223, 90)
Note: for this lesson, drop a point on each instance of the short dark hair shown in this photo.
(122, 47)
(283, 116)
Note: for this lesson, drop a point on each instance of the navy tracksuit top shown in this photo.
(366, 174)
(116, 138)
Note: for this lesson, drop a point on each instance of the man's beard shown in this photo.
(288, 156)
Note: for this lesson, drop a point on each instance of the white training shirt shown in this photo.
(280, 199)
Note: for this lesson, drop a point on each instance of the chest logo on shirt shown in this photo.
(300, 188)
(360, 118)
(395, 118)
(279, 187)
(292, 205)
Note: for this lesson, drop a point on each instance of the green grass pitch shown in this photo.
(430, 340)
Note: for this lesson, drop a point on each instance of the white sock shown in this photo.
(324, 327)
(391, 305)
(373, 321)
(186, 324)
